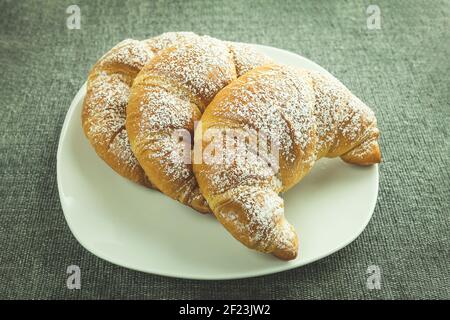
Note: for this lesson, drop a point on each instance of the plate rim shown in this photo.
(248, 274)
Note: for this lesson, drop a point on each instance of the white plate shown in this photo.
(141, 229)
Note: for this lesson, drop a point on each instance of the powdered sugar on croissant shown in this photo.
(307, 116)
(108, 88)
(103, 115)
(168, 97)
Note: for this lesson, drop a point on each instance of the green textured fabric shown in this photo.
(401, 70)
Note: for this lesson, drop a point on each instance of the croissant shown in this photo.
(108, 88)
(300, 114)
(168, 96)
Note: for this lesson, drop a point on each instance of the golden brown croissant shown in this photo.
(168, 96)
(108, 87)
(300, 114)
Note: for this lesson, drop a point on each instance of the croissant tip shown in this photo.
(375, 156)
(285, 254)
(370, 157)
(201, 208)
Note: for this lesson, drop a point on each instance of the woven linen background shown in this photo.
(401, 70)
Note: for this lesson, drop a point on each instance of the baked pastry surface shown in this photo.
(108, 88)
(168, 97)
(307, 116)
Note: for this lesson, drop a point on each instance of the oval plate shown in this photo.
(141, 229)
